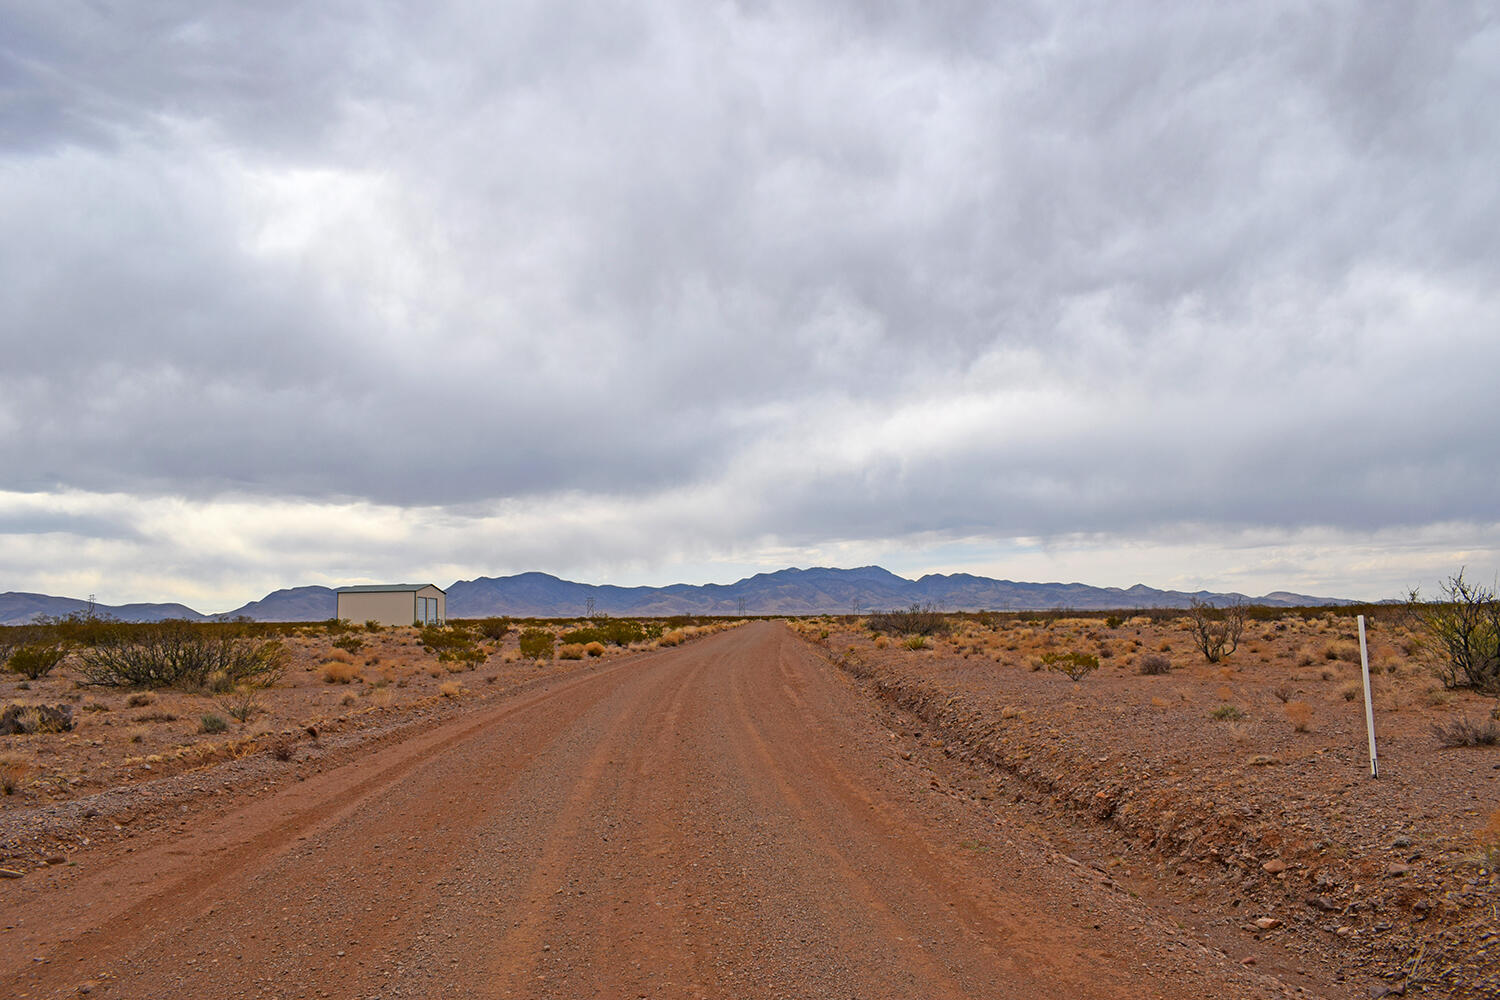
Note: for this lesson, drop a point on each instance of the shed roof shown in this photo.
(388, 588)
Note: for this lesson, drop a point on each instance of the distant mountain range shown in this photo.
(784, 592)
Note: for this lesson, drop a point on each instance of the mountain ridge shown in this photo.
(791, 591)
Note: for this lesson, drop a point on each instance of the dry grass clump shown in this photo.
(339, 672)
(571, 651)
(13, 773)
(1342, 650)
(1465, 732)
(1154, 664)
(1299, 714)
(1489, 841)
(676, 637)
(452, 689)
(594, 648)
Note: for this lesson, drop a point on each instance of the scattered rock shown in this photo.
(11, 873)
(1274, 867)
(1267, 923)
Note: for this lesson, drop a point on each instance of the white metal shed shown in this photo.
(393, 604)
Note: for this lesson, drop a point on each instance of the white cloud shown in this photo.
(677, 285)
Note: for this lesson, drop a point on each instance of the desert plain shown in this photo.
(816, 807)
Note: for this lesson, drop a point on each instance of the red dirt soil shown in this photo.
(731, 818)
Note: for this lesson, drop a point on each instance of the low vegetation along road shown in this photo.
(731, 818)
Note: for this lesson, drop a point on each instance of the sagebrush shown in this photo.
(184, 655)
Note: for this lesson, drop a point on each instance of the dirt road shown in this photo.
(725, 819)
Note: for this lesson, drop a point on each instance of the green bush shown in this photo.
(536, 644)
(919, 619)
(1076, 666)
(83, 627)
(493, 629)
(453, 645)
(184, 655)
(211, 723)
(613, 632)
(349, 643)
(1226, 713)
(35, 660)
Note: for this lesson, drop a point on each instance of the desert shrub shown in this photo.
(536, 644)
(339, 672)
(1154, 664)
(594, 648)
(919, 619)
(570, 651)
(1352, 690)
(139, 700)
(493, 629)
(13, 774)
(212, 723)
(371, 625)
(454, 645)
(881, 642)
(35, 660)
(242, 705)
(676, 637)
(179, 654)
(452, 689)
(1227, 713)
(1460, 633)
(1283, 692)
(1299, 714)
(1216, 631)
(1114, 621)
(915, 642)
(350, 643)
(31, 719)
(1342, 650)
(613, 632)
(1076, 666)
(85, 628)
(1464, 732)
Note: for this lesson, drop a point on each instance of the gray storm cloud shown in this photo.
(871, 273)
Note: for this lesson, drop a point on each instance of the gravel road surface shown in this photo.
(730, 818)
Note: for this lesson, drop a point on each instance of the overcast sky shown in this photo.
(1192, 295)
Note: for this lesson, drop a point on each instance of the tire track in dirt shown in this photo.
(714, 820)
(168, 885)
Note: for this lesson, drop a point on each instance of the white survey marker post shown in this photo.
(1364, 663)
